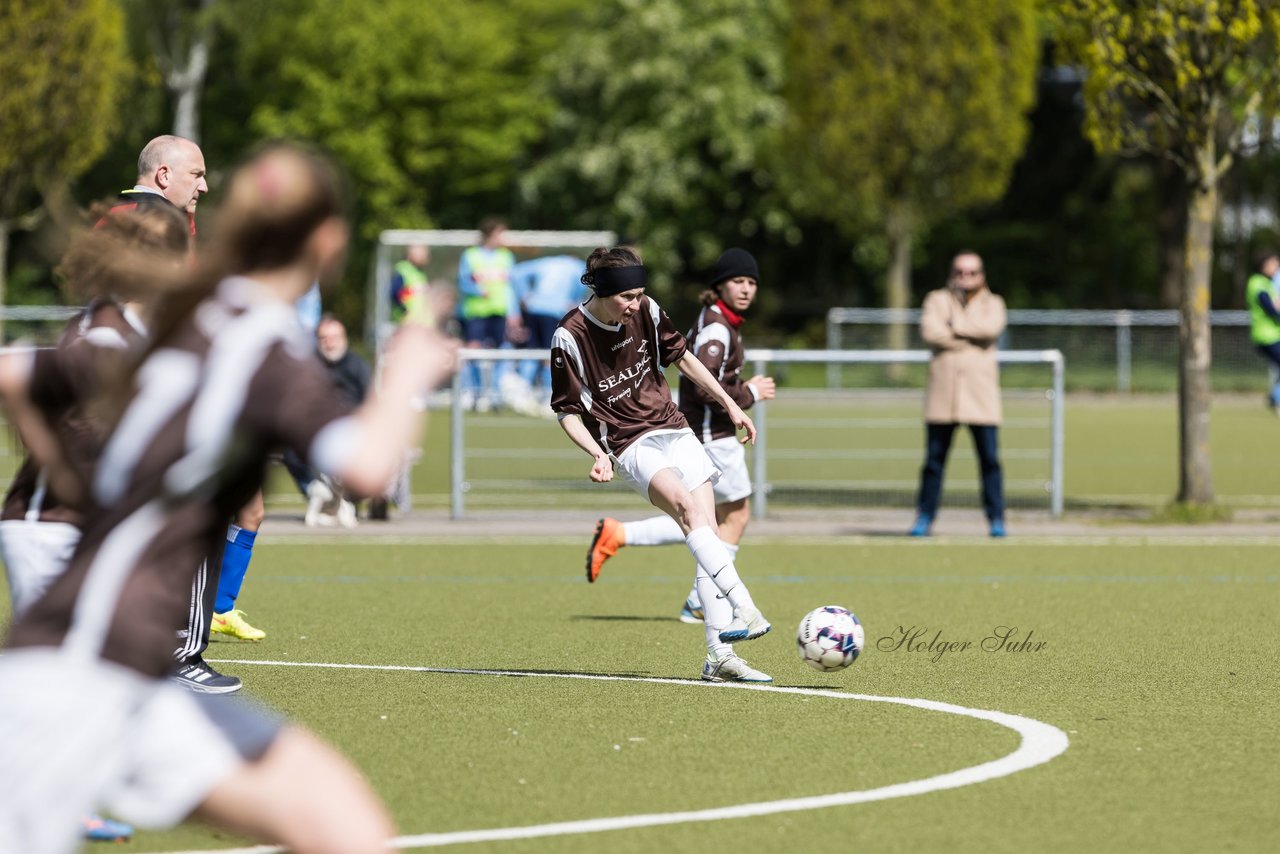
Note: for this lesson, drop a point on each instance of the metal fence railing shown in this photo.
(853, 447)
(1122, 350)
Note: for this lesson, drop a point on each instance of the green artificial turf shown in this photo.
(1159, 662)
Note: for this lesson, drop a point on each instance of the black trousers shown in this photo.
(194, 639)
(938, 446)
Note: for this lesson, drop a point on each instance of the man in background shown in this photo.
(546, 289)
(169, 168)
(1262, 293)
(488, 309)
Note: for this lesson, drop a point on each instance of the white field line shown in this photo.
(1040, 743)
(945, 541)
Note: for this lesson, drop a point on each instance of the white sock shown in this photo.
(717, 613)
(694, 598)
(654, 531)
(712, 556)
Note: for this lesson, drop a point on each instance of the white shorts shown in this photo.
(666, 449)
(730, 457)
(77, 735)
(34, 554)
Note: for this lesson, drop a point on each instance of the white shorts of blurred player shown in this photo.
(730, 458)
(34, 554)
(666, 449)
(81, 735)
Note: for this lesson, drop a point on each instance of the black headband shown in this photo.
(608, 281)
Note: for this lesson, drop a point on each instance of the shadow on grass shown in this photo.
(624, 618)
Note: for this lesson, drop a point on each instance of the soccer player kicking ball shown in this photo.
(717, 343)
(609, 392)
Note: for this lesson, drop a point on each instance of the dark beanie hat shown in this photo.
(732, 264)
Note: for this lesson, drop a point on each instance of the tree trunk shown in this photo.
(186, 83)
(1171, 229)
(187, 87)
(899, 228)
(1195, 483)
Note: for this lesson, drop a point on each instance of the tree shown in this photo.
(663, 109)
(903, 113)
(1179, 79)
(64, 69)
(429, 111)
(178, 36)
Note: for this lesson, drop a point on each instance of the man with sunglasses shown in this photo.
(961, 324)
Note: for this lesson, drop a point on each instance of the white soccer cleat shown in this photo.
(347, 514)
(731, 669)
(747, 624)
(318, 495)
(691, 612)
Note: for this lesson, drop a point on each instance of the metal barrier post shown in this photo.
(1124, 351)
(1056, 441)
(834, 339)
(457, 451)
(759, 459)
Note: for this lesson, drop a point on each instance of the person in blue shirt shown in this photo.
(546, 289)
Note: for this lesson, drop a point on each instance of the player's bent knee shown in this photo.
(305, 795)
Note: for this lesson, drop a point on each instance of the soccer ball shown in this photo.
(829, 638)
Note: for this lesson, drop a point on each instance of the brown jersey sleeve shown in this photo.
(713, 352)
(291, 399)
(566, 374)
(671, 344)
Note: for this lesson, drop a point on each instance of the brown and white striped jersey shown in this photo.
(718, 345)
(64, 380)
(611, 375)
(235, 381)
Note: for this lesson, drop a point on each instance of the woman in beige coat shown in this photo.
(961, 323)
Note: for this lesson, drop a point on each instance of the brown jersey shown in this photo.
(718, 345)
(235, 381)
(612, 375)
(64, 380)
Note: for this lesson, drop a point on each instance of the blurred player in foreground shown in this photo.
(227, 378)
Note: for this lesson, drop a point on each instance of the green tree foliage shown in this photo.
(1179, 79)
(429, 108)
(662, 109)
(903, 113)
(62, 72)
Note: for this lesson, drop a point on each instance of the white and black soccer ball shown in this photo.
(829, 638)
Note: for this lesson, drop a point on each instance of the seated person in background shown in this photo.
(351, 377)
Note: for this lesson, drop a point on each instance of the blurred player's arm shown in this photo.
(17, 367)
(390, 420)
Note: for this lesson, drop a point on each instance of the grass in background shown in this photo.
(1157, 663)
(864, 449)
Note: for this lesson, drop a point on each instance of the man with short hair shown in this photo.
(169, 168)
(351, 377)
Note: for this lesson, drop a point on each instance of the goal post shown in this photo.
(446, 246)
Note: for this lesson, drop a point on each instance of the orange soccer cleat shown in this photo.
(605, 544)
